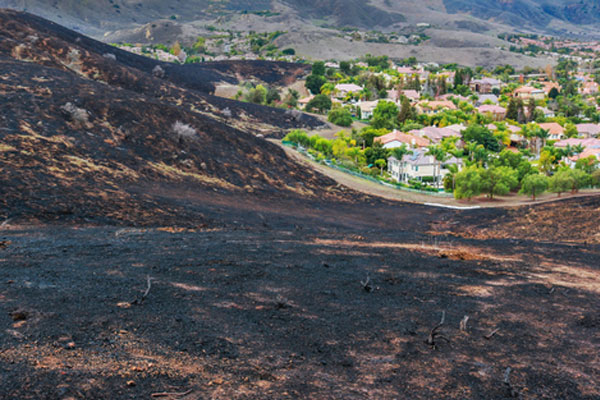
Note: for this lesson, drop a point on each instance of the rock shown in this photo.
(19, 315)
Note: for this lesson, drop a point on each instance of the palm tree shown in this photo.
(542, 134)
(440, 156)
(399, 153)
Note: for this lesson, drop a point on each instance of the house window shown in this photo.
(417, 168)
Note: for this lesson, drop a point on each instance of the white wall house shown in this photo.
(418, 166)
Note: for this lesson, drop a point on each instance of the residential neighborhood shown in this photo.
(457, 130)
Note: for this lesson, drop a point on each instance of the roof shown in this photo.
(368, 106)
(434, 133)
(419, 157)
(458, 128)
(491, 108)
(552, 127)
(407, 70)
(587, 143)
(492, 97)
(348, 87)
(511, 128)
(488, 81)
(434, 105)
(402, 138)
(528, 89)
(411, 94)
(592, 129)
(305, 100)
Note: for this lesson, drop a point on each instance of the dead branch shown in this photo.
(435, 334)
(173, 394)
(511, 391)
(366, 285)
(463, 323)
(492, 333)
(141, 300)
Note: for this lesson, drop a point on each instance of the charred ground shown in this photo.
(268, 280)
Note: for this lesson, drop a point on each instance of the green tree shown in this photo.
(406, 110)
(534, 185)
(467, 183)
(369, 133)
(571, 130)
(439, 155)
(257, 95)
(299, 137)
(483, 136)
(384, 115)
(595, 178)
(512, 111)
(580, 179)
(318, 68)
(345, 67)
(376, 152)
(588, 164)
(399, 153)
(498, 180)
(314, 83)
(340, 116)
(320, 103)
(560, 182)
(272, 96)
(380, 163)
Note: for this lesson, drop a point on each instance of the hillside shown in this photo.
(96, 129)
(461, 31)
(153, 245)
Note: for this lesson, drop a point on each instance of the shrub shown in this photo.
(183, 131)
(158, 72)
(340, 116)
(75, 113)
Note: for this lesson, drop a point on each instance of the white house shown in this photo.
(396, 139)
(343, 89)
(366, 108)
(419, 165)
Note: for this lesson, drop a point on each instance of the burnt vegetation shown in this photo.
(153, 246)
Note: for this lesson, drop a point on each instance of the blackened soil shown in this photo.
(281, 311)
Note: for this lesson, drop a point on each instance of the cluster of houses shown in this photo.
(418, 164)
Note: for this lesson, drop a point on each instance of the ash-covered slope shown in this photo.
(85, 136)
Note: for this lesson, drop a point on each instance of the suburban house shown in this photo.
(529, 92)
(412, 95)
(497, 113)
(432, 107)
(555, 131)
(433, 133)
(366, 108)
(588, 152)
(585, 143)
(457, 128)
(486, 98)
(589, 88)
(396, 139)
(393, 95)
(485, 85)
(548, 86)
(305, 100)
(419, 165)
(588, 130)
(548, 113)
(343, 89)
(516, 138)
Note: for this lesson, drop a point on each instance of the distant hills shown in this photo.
(458, 31)
(544, 15)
